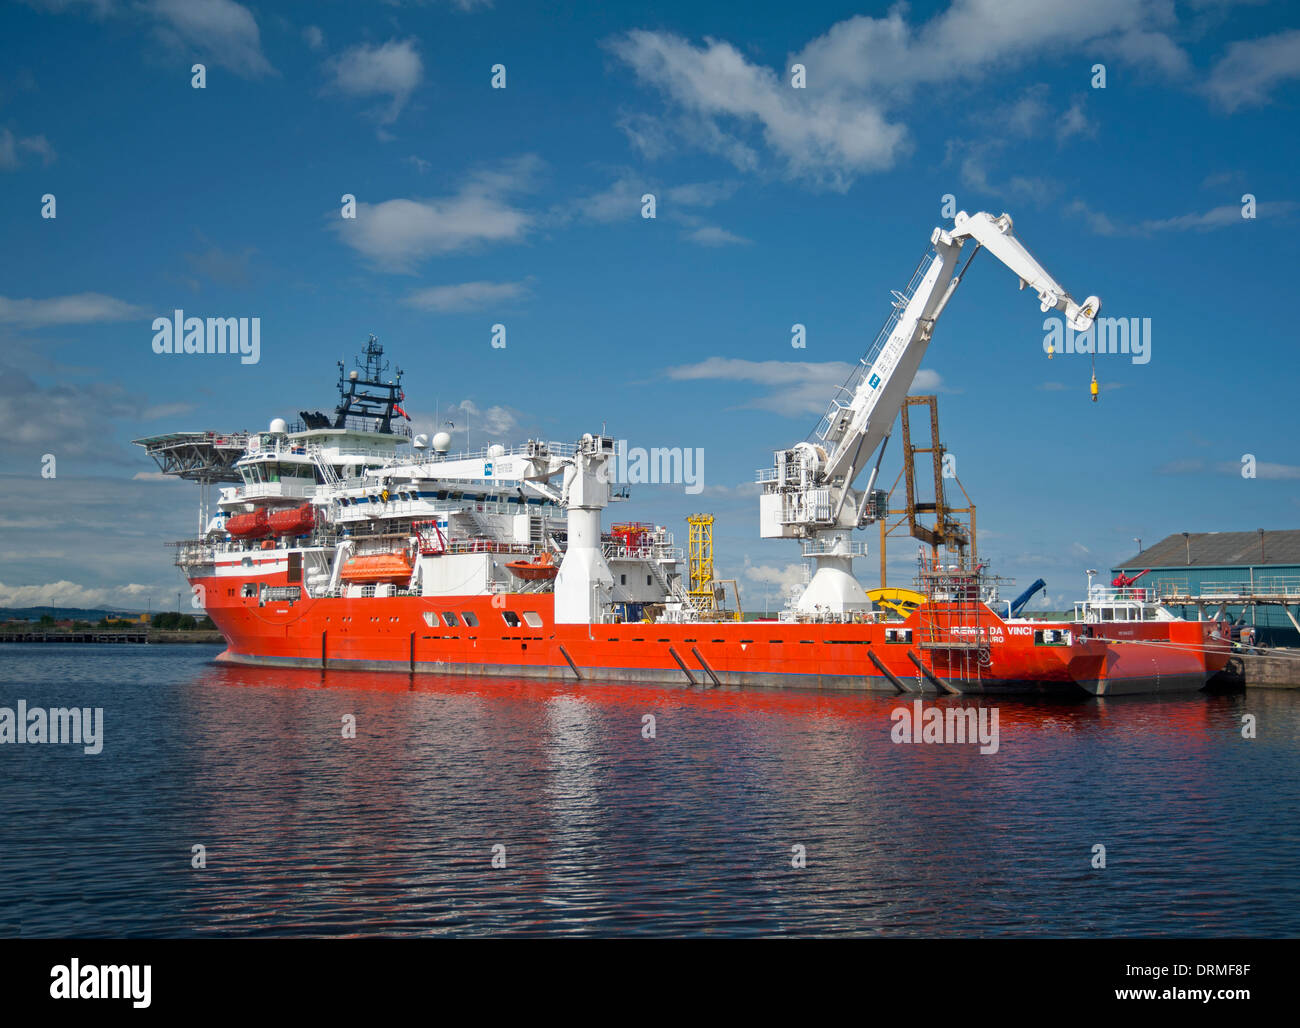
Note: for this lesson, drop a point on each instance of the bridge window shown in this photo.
(510, 618)
(449, 619)
(898, 635)
(533, 619)
(470, 618)
(1051, 637)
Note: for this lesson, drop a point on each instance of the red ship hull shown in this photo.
(941, 647)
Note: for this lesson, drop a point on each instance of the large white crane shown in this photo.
(808, 494)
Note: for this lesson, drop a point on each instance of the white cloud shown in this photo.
(101, 7)
(785, 579)
(966, 40)
(68, 418)
(798, 388)
(1199, 221)
(222, 266)
(392, 69)
(1151, 50)
(974, 157)
(78, 309)
(1075, 122)
(618, 201)
(1025, 115)
(860, 73)
(70, 594)
(712, 235)
(397, 234)
(1263, 469)
(314, 37)
(1198, 466)
(469, 422)
(701, 194)
(466, 296)
(222, 31)
(823, 137)
(1251, 69)
(621, 199)
(12, 146)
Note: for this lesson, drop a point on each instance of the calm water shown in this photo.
(308, 833)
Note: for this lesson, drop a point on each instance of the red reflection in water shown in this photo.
(1181, 715)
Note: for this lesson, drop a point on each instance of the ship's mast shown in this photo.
(365, 395)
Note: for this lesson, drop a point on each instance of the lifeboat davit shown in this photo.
(249, 526)
(378, 567)
(537, 568)
(294, 521)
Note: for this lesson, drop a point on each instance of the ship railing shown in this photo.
(532, 448)
(190, 552)
(1111, 594)
(659, 552)
(487, 546)
(355, 423)
(854, 617)
(201, 550)
(352, 454)
(422, 508)
(819, 548)
(285, 488)
(1262, 585)
(296, 448)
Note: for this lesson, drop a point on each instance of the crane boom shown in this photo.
(809, 491)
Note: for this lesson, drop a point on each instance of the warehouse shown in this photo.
(1258, 566)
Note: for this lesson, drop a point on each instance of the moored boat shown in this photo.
(399, 555)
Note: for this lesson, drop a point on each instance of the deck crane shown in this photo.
(808, 493)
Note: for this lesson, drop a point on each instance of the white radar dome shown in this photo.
(279, 426)
(441, 442)
(420, 442)
(496, 450)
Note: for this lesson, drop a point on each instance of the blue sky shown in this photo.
(521, 206)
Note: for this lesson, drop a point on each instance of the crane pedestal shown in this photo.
(833, 589)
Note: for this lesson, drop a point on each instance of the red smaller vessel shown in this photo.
(378, 567)
(533, 570)
(294, 521)
(249, 526)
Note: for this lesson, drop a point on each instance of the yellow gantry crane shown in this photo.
(708, 594)
(700, 556)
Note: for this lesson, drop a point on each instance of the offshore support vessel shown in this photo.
(343, 542)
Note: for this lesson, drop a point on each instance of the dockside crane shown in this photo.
(808, 493)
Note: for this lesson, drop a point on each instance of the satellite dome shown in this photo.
(496, 450)
(441, 442)
(278, 426)
(420, 442)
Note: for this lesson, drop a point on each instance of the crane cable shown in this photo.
(1093, 389)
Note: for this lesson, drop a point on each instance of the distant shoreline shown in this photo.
(117, 636)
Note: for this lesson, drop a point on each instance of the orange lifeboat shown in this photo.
(294, 521)
(378, 567)
(537, 568)
(249, 526)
